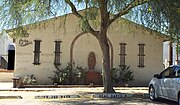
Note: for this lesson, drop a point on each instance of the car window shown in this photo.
(167, 73)
(172, 73)
(177, 71)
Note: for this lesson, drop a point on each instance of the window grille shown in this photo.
(141, 55)
(37, 52)
(57, 58)
(122, 53)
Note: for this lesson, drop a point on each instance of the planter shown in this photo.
(93, 77)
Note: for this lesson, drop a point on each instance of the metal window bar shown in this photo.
(141, 55)
(37, 52)
(57, 58)
(122, 53)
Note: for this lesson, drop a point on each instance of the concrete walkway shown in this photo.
(6, 85)
(6, 91)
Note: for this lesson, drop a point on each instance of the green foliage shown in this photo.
(15, 13)
(29, 80)
(155, 14)
(62, 75)
(122, 74)
(159, 15)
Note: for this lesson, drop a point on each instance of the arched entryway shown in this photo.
(85, 33)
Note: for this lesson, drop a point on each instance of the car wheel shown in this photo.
(152, 93)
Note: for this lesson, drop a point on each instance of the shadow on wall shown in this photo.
(4, 63)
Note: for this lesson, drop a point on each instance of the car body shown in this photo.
(166, 84)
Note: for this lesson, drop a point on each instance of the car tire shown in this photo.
(152, 93)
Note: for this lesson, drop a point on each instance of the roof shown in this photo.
(164, 36)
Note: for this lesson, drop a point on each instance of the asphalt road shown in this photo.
(86, 101)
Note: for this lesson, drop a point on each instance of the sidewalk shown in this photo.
(6, 85)
(7, 91)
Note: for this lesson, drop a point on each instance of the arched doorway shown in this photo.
(85, 33)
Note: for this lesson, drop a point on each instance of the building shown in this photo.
(175, 54)
(52, 42)
(6, 45)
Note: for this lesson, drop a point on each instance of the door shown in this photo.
(174, 83)
(165, 81)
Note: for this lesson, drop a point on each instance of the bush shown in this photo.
(62, 75)
(29, 80)
(122, 74)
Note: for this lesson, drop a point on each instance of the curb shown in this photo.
(99, 95)
(111, 95)
(56, 89)
(56, 96)
(11, 97)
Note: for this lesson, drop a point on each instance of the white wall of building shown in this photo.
(166, 54)
(5, 40)
(52, 30)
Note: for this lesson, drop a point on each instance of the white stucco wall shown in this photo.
(49, 32)
(166, 54)
(133, 36)
(5, 40)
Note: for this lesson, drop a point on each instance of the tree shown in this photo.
(16, 13)
(165, 17)
(169, 10)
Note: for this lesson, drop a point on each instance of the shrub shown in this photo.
(62, 75)
(29, 80)
(122, 74)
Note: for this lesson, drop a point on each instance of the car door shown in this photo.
(174, 84)
(164, 81)
(171, 90)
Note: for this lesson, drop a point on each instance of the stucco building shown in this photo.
(6, 44)
(52, 41)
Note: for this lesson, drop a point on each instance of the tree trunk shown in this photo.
(108, 87)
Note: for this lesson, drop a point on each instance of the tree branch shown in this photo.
(75, 12)
(73, 8)
(127, 8)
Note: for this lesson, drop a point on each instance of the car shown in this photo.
(166, 84)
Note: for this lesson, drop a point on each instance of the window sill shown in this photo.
(58, 64)
(122, 65)
(141, 66)
(36, 63)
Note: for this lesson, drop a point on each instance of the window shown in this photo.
(57, 52)
(141, 55)
(167, 73)
(122, 53)
(37, 52)
(177, 72)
